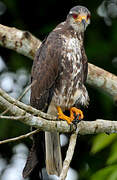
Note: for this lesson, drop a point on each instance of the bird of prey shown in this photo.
(60, 70)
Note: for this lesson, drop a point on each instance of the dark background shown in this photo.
(95, 155)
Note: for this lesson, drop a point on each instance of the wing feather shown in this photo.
(85, 65)
(45, 71)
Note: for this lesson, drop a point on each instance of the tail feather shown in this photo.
(53, 153)
(36, 158)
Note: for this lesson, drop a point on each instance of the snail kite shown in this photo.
(60, 70)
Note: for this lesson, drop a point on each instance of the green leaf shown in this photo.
(101, 141)
(113, 176)
(113, 154)
(108, 173)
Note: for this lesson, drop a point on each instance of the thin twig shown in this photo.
(14, 117)
(19, 137)
(26, 90)
(69, 156)
(20, 97)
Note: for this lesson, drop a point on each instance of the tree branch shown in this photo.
(20, 137)
(102, 79)
(21, 41)
(24, 106)
(69, 156)
(26, 44)
(85, 127)
(31, 120)
(27, 114)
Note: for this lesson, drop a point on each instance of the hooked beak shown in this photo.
(82, 19)
(84, 22)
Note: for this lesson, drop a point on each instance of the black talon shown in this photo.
(76, 119)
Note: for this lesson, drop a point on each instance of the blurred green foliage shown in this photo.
(95, 155)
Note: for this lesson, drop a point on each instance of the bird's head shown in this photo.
(79, 18)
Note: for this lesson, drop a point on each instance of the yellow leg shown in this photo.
(73, 110)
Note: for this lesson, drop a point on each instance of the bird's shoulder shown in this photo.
(60, 34)
(45, 71)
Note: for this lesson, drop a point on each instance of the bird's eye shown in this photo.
(88, 16)
(74, 16)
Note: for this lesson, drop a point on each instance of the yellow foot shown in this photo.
(73, 111)
(63, 116)
(76, 112)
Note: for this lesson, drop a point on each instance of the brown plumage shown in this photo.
(60, 70)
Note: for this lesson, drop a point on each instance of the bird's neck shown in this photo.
(73, 32)
(77, 28)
